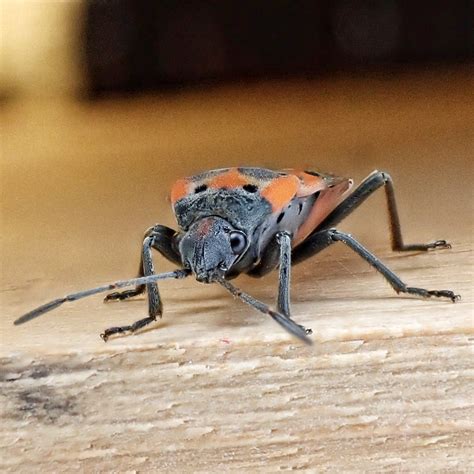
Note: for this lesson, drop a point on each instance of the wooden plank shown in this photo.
(215, 386)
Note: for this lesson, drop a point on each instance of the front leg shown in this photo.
(374, 181)
(146, 268)
(160, 238)
(278, 253)
(284, 277)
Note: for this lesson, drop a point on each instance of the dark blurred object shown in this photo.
(135, 45)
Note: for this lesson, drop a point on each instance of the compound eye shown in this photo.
(238, 242)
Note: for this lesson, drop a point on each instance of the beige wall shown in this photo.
(39, 47)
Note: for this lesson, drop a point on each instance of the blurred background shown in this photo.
(131, 46)
(104, 103)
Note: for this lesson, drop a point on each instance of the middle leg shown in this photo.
(365, 189)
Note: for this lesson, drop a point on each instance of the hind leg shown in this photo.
(370, 184)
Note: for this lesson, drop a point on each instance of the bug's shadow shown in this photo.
(216, 310)
(199, 306)
(218, 313)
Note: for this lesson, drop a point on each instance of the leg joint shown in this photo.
(159, 230)
(148, 241)
(338, 236)
(381, 177)
(282, 236)
(386, 177)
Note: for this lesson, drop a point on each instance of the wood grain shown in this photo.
(213, 386)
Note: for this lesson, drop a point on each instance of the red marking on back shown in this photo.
(179, 190)
(280, 191)
(309, 184)
(229, 179)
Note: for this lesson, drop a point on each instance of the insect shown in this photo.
(253, 221)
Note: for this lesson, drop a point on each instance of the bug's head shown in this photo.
(210, 247)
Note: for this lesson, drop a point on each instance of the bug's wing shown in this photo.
(310, 182)
(330, 188)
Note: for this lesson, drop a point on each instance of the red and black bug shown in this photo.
(254, 220)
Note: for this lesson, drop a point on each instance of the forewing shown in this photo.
(328, 189)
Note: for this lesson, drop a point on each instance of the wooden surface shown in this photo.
(387, 385)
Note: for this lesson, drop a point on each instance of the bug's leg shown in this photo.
(129, 328)
(278, 252)
(284, 321)
(370, 184)
(327, 237)
(284, 276)
(126, 294)
(160, 238)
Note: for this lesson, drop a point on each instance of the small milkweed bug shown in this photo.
(254, 220)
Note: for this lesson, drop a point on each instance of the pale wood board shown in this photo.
(214, 386)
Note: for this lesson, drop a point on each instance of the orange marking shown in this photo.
(179, 190)
(308, 179)
(309, 184)
(280, 191)
(229, 179)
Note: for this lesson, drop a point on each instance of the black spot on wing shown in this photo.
(312, 173)
(280, 217)
(250, 188)
(200, 188)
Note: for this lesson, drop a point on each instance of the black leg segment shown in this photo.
(126, 294)
(284, 280)
(278, 253)
(130, 328)
(160, 238)
(370, 184)
(329, 236)
(389, 275)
